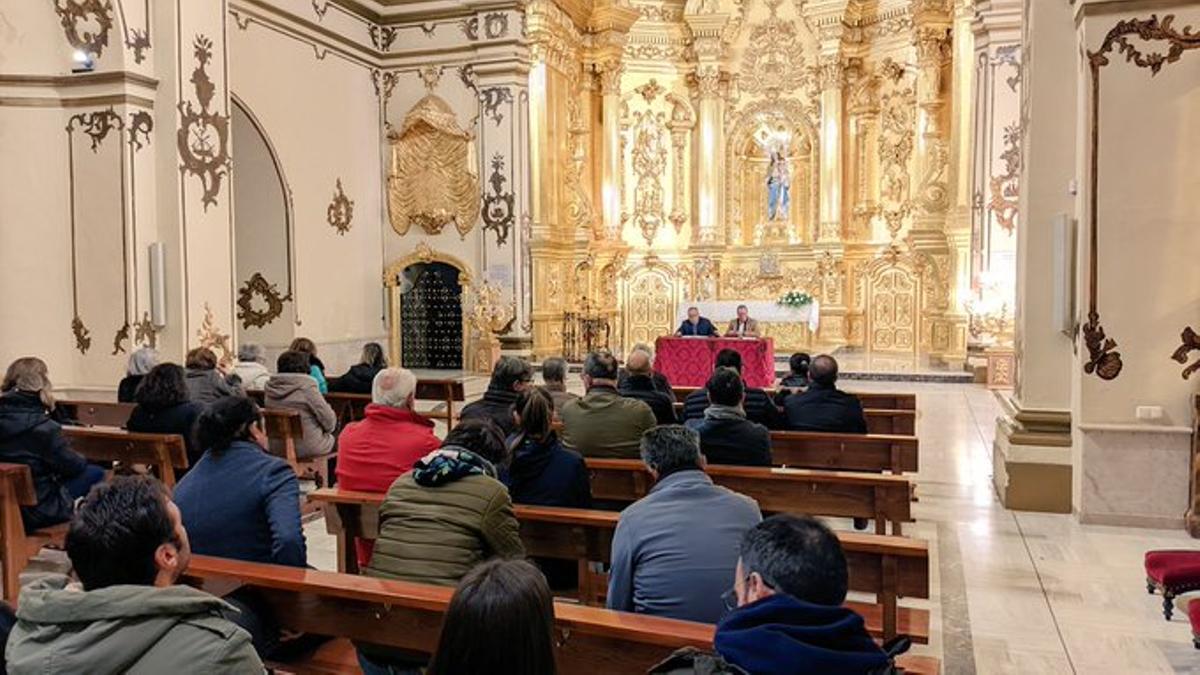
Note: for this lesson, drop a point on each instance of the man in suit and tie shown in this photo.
(743, 325)
(696, 325)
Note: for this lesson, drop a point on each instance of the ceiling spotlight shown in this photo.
(83, 62)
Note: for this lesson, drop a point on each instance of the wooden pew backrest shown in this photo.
(165, 452)
(97, 413)
(844, 452)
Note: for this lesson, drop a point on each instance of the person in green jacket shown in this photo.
(604, 423)
(128, 546)
(438, 521)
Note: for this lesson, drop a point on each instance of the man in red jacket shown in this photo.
(374, 452)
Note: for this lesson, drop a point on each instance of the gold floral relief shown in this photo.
(433, 181)
(210, 336)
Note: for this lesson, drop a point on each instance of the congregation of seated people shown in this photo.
(689, 549)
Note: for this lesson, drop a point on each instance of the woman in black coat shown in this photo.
(163, 408)
(29, 436)
(361, 376)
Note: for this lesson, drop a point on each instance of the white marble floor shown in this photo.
(1012, 592)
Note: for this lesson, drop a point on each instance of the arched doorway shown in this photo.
(425, 309)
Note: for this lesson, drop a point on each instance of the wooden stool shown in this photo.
(1172, 572)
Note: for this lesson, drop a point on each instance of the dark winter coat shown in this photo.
(495, 405)
(177, 419)
(357, 380)
(29, 436)
(642, 388)
(758, 406)
(825, 408)
(727, 437)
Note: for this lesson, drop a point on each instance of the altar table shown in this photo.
(720, 312)
(688, 362)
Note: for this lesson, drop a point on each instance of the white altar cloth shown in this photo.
(721, 312)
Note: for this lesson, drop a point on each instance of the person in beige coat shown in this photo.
(294, 389)
(743, 325)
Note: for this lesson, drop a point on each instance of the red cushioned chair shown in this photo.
(1194, 617)
(1172, 572)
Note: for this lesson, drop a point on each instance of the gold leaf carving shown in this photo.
(210, 336)
(341, 210)
(432, 182)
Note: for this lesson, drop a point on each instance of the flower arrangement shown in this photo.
(794, 299)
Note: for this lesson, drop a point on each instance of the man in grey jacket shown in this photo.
(675, 549)
(129, 547)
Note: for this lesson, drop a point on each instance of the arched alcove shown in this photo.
(262, 211)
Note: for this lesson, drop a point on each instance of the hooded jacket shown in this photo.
(206, 386)
(727, 437)
(441, 519)
(298, 392)
(781, 635)
(126, 629)
(605, 424)
(544, 473)
(374, 452)
(357, 380)
(28, 436)
(253, 374)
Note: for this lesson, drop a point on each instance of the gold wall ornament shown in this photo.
(210, 336)
(1103, 360)
(86, 23)
(121, 336)
(432, 181)
(141, 123)
(1005, 189)
(340, 212)
(649, 157)
(97, 125)
(257, 285)
(137, 39)
(145, 332)
(490, 99)
(1189, 342)
(384, 82)
(382, 37)
(497, 210)
(203, 134)
(775, 64)
(83, 337)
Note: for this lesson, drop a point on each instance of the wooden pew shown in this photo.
(284, 429)
(823, 493)
(348, 407)
(890, 422)
(445, 391)
(844, 452)
(16, 547)
(97, 413)
(164, 452)
(869, 399)
(887, 566)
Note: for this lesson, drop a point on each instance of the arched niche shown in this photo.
(746, 170)
(263, 235)
(415, 279)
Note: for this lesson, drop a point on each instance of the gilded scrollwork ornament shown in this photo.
(649, 155)
(497, 210)
(145, 332)
(141, 124)
(96, 125)
(258, 286)
(83, 337)
(209, 335)
(382, 37)
(121, 337)
(776, 65)
(490, 100)
(203, 134)
(1189, 342)
(340, 212)
(1005, 189)
(87, 23)
(1103, 360)
(137, 39)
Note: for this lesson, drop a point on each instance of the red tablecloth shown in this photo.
(687, 362)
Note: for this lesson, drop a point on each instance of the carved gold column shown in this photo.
(931, 151)
(610, 154)
(709, 158)
(831, 73)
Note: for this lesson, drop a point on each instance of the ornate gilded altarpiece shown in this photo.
(708, 109)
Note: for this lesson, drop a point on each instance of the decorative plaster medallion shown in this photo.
(86, 23)
(341, 210)
(257, 285)
(203, 135)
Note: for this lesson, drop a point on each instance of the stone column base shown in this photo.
(1031, 458)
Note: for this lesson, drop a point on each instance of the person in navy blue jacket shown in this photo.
(238, 501)
(544, 473)
(695, 324)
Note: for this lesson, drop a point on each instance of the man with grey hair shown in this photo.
(510, 376)
(389, 440)
(660, 381)
(674, 550)
(554, 372)
(249, 368)
(603, 423)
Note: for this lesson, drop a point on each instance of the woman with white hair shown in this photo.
(140, 363)
(250, 367)
(388, 441)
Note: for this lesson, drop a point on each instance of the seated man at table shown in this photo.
(129, 547)
(675, 549)
(726, 436)
(603, 423)
(743, 325)
(758, 406)
(695, 325)
(787, 614)
(823, 407)
(639, 384)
